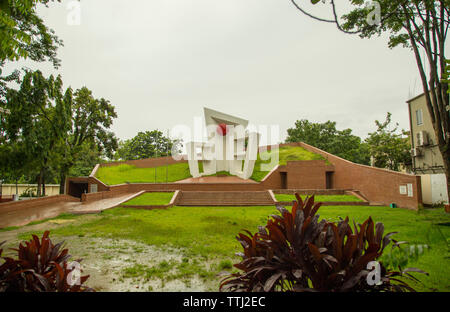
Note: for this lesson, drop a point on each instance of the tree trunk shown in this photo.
(446, 154)
(43, 184)
(38, 191)
(62, 182)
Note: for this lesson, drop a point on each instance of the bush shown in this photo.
(29, 192)
(296, 252)
(40, 266)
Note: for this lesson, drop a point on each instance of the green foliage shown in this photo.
(296, 252)
(86, 159)
(400, 256)
(23, 33)
(48, 133)
(29, 192)
(446, 76)
(146, 144)
(225, 265)
(389, 148)
(88, 137)
(326, 137)
(37, 124)
(40, 266)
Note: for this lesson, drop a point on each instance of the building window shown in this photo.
(419, 117)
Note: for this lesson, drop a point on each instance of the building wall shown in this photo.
(309, 174)
(377, 185)
(425, 182)
(10, 189)
(36, 202)
(431, 161)
(439, 188)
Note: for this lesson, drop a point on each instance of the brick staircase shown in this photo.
(259, 198)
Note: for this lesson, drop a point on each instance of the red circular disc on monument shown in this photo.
(222, 129)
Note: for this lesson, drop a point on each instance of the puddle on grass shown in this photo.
(110, 261)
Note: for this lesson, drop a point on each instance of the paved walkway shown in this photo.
(22, 217)
(226, 179)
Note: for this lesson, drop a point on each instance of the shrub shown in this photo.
(29, 192)
(40, 266)
(296, 252)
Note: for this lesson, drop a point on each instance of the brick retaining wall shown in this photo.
(24, 204)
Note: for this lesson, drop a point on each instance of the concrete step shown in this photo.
(226, 198)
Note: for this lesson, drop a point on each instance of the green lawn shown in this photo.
(128, 173)
(210, 232)
(153, 198)
(322, 198)
(131, 174)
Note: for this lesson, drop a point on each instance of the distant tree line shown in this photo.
(383, 148)
(146, 145)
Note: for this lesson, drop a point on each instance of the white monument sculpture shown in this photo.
(230, 147)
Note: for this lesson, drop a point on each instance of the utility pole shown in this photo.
(156, 151)
(167, 157)
(6, 112)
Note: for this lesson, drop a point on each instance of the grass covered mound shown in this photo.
(131, 174)
(210, 233)
(286, 153)
(151, 198)
(321, 198)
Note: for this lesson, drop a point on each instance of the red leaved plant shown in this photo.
(40, 266)
(296, 252)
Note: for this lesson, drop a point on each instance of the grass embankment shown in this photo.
(322, 198)
(131, 174)
(263, 164)
(209, 234)
(151, 198)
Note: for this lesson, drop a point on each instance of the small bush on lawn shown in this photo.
(296, 252)
(40, 266)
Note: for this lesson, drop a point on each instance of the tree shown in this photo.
(420, 25)
(90, 119)
(88, 157)
(38, 121)
(24, 33)
(13, 162)
(389, 148)
(146, 145)
(326, 137)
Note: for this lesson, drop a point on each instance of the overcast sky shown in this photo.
(160, 62)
